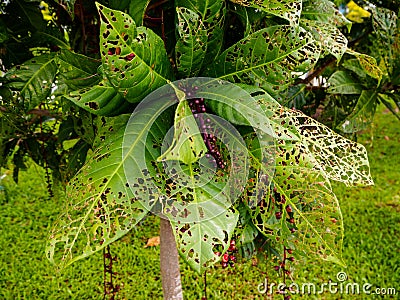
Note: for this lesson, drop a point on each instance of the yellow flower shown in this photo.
(356, 13)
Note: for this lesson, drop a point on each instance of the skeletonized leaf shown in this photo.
(342, 83)
(287, 9)
(324, 11)
(330, 37)
(273, 57)
(134, 58)
(191, 46)
(363, 113)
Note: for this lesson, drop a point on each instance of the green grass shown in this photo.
(371, 244)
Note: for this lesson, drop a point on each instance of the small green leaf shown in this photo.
(363, 113)
(342, 83)
(187, 145)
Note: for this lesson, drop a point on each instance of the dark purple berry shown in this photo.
(290, 251)
(278, 215)
(232, 258)
(224, 265)
(292, 230)
(291, 258)
(277, 268)
(289, 209)
(225, 257)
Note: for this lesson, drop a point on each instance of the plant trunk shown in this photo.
(169, 263)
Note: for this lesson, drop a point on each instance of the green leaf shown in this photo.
(385, 24)
(354, 66)
(191, 45)
(342, 83)
(287, 9)
(101, 100)
(197, 243)
(363, 113)
(368, 63)
(137, 10)
(76, 71)
(188, 145)
(134, 58)
(102, 206)
(324, 11)
(273, 57)
(33, 79)
(212, 15)
(330, 37)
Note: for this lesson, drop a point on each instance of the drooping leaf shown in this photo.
(330, 37)
(342, 83)
(287, 9)
(137, 10)
(387, 101)
(134, 58)
(197, 242)
(363, 113)
(188, 145)
(324, 11)
(368, 63)
(273, 57)
(191, 46)
(33, 79)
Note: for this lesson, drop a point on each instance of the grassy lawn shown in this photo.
(371, 245)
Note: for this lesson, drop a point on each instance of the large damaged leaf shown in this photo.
(287, 9)
(273, 57)
(134, 58)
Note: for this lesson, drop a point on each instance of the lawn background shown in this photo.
(371, 244)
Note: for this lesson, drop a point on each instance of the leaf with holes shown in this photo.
(198, 242)
(341, 82)
(330, 37)
(191, 45)
(212, 15)
(363, 113)
(33, 79)
(101, 99)
(287, 9)
(273, 57)
(134, 58)
(324, 11)
(336, 157)
(102, 205)
(310, 220)
(368, 63)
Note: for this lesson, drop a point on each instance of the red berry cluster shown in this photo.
(229, 257)
(198, 108)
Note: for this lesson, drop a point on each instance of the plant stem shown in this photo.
(169, 263)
